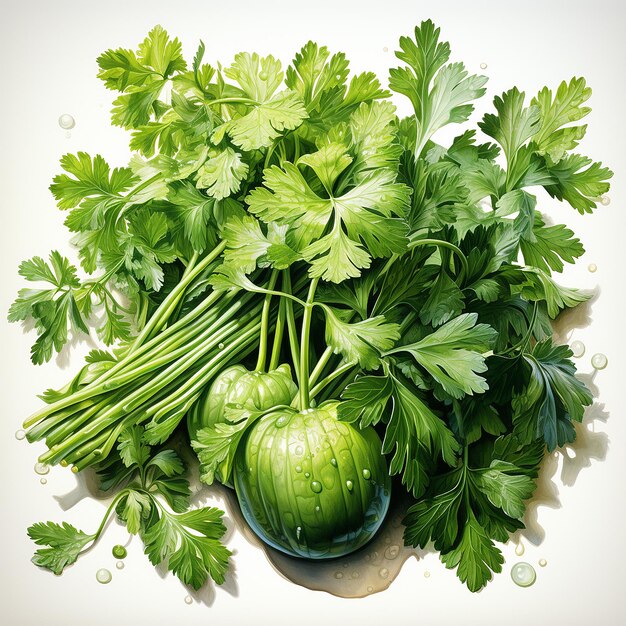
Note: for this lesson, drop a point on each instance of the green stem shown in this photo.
(278, 336)
(444, 244)
(291, 326)
(304, 347)
(346, 367)
(232, 100)
(265, 317)
(102, 383)
(321, 364)
(98, 532)
(170, 303)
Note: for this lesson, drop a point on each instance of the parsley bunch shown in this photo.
(292, 218)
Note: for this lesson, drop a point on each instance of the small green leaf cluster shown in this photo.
(152, 501)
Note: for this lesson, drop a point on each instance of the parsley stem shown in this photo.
(168, 305)
(143, 393)
(343, 369)
(321, 364)
(265, 315)
(278, 336)
(232, 100)
(304, 346)
(291, 325)
(413, 243)
(98, 533)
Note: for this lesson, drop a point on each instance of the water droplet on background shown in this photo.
(263, 75)
(220, 346)
(316, 486)
(483, 66)
(119, 551)
(383, 573)
(188, 599)
(577, 348)
(370, 589)
(299, 450)
(299, 468)
(599, 361)
(592, 267)
(20, 434)
(338, 575)
(523, 574)
(426, 574)
(120, 565)
(392, 552)
(307, 475)
(605, 200)
(43, 481)
(519, 549)
(67, 134)
(349, 485)
(333, 462)
(367, 474)
(542, 562)
(66, 121)
(42, 469)
(354, 575)
(104, 576)
(298, 532)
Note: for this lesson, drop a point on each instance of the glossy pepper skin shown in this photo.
(237, 385)
(310, 485)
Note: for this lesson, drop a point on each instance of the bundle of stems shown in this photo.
(158, 378)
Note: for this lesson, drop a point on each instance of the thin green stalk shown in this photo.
(413, 243)
(346, 367)
(232, 100)
(265, 316)
(196, 381)
(321, 364)
(136, 398)
(278, 337)
(169, 304)
(98, 533)
(102, 383)
(291, 326)
(99, 448)
(304, 346)
(71, 426)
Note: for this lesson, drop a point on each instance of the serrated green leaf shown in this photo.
(360, 342)
(64, 544)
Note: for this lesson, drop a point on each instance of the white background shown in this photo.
(48, 52)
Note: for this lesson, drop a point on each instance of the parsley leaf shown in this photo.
(447, 101)
(360, 342)
(53, 310)
(190, 544)
(548, 247)
(579, 181)
(187, 541)
(64, 544)
(552, 399)
(362, 222)
(554, 137)
(466, 508)
(141, 76)
(267, 113)
(452, 354)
